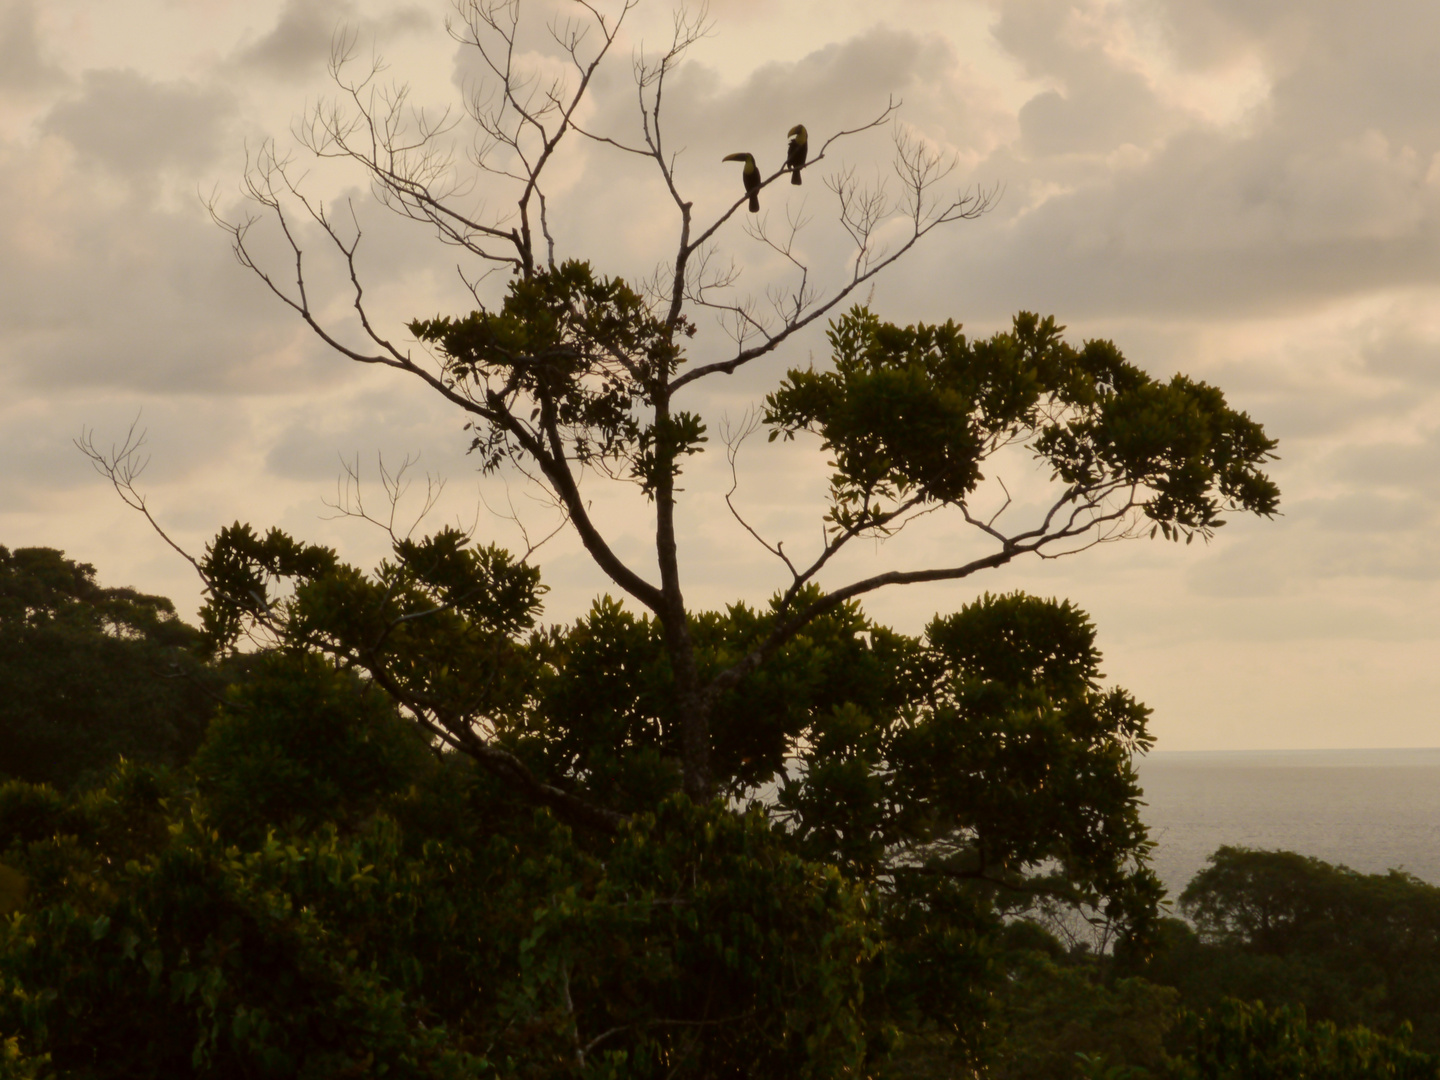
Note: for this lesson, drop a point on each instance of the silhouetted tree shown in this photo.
(578, 373)
(89, 673)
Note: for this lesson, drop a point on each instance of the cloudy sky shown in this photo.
(1249, 193)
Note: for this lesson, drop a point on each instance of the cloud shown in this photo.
(300, 41)
(1403, 353)
(107, 287)
(1121, 200)
(136, 126)
(1366, 512)
(1098, 102)
(303, 37)
(25, 69)
(385, 416)
(1408, 466)
(1339, 69)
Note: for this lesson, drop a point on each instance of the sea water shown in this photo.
(1370, 810)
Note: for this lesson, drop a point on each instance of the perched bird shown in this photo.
(751, 176)
(795, 155)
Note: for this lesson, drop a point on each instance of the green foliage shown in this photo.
(698, 942)
(605, 712)
(602, 712)
(577, 353)
(303, 743)
(439, 576)
(426, 837)
(1351, 948)
(755, 958)
(976, 748)
(324, 892)
(1240, 1041)
(15, 1064)
(91, 674)
(64, 846)
(201, 960)
(977, 754)
(13, 887)
(841, 677)
(942, 975)
(982, 751)
(912, 413)
(1061, 1020)
(1051, 1013)
(436, 626)
(1007, 756)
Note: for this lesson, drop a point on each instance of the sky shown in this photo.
(1247, 193)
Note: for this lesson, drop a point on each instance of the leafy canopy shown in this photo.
(1349, 948)
(574, 354)
(91, 673)
(911, 414)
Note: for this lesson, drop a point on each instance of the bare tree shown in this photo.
(600, 391)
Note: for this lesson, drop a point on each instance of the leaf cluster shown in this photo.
(904, 792)
(563, 368)
(436, 625)
(910, 414)
(191, 958)
(1007, 756)
(1251, 1041)
(982, 751)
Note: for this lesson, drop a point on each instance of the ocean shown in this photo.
(1370, 810)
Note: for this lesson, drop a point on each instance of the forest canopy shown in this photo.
(89, 674)
(318, 892)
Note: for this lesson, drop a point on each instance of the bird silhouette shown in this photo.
(751, 176)
(797, 151)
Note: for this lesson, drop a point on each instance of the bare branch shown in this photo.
(734, 438)
(862, 211)
(122, 465)
(1094, 516)
(512, 516)
(350, 498)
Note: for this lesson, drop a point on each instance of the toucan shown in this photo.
(751, 176)
(795, 155)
